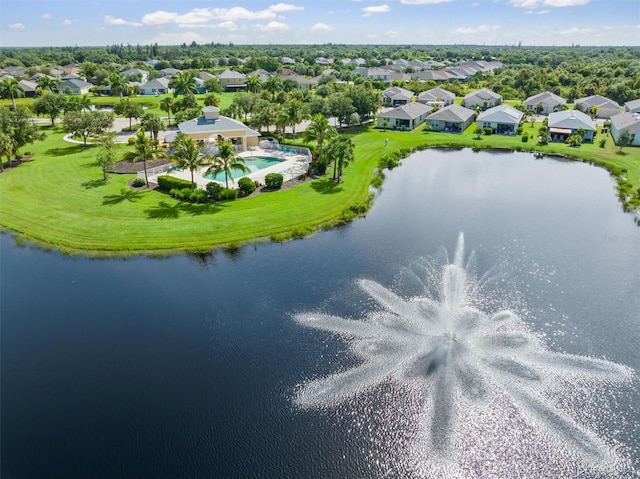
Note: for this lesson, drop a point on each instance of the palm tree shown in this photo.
(6, 148)
(295, 114)
(106, 157)
(48, 83)
(273, 85)
(145, 149)
(84, 102)
(319, 130)
(9, 87)
(183, 83)
(253, 84)
(227, 161)
(340, 150)
(188, 154)
(581, 132)
(166, 104)
(152, 123)
(117, 83)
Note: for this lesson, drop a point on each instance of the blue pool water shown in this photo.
(254, 164)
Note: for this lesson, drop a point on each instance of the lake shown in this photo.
(201, 366)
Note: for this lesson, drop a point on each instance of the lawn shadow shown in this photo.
(69, 150)
(125, 195)
(164, 211)
(326, 186)
(621, 153)
(94, 183)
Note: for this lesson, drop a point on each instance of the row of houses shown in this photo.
(504, 119)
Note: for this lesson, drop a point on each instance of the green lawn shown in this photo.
(59, 199)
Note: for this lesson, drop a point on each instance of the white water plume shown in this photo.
(464, 364)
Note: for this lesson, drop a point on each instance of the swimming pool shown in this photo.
(254, 163)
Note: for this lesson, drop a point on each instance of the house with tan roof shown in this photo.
(626, 121)
(451, 119)
(232, 80)
(604, 107)
(544, 103)
(404, 116)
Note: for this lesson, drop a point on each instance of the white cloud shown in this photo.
(577, 31)
(565, 3)
(376, 9)
(47, 16)
(67, 22)
(273, 27)
(391, 34)
(478, 29)
(159, 17)
(16, 26)
(530, 4)
(322, 27)
(284, 7)
(423, 2)
(109, 20)
(537, 12)
(228, 25)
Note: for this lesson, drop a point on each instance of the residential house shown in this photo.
(205, 76)
(324, 61)
(626, 121)
(71, 68)
(158, 86)
(168, 72)
(396, 96)
(211, 127)
(29, 88)
(545, 103)
(232, 80)
(304, 83)
(604, 108)
(143, 75)
(71, 76)
(483, 98)
(56, 72)
(288, 61)
(260, 73)
(502, 119)
(405, 117)
(563, 124)
(451, 119)
(376, 74)
(14, 72)
(436, 97)
(75, 85)
(632, 106)
(435, 75)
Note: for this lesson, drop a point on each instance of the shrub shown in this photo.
(525, 138)
(169, 182)
(321, 166)
(198, 195)
(138, 182)
(213, 190)
(519, 131)
(488, 131)
(180, 193)
(246, 186)
(273, 180)
(131, 141)
(389, 161)
(603, 142)
(227, 194)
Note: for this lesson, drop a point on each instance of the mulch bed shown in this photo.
(127, 166)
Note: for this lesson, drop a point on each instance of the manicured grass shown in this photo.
(59, 197)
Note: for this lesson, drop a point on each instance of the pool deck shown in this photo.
(292, 166)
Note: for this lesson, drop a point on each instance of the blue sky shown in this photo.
(482, 22)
